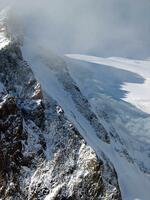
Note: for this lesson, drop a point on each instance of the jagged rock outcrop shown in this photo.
(11, 128)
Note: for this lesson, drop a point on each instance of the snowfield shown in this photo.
(138, 94)
(108, 89)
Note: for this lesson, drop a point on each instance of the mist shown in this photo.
(95, 27)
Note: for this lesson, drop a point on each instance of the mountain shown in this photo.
(43, 154)
(63, 132)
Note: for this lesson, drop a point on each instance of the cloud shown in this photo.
(97, 27)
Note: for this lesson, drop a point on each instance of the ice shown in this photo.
(138, 97)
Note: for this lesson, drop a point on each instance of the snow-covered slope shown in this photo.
(128, 149)
(103, 86)
(138, 92)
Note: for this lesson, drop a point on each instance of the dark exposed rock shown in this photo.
(11, 132)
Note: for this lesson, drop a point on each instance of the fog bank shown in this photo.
(97, 27)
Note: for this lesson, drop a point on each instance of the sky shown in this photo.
(96, 27)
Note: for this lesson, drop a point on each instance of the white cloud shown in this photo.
(100, 27)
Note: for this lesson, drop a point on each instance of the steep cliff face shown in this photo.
(42, 153)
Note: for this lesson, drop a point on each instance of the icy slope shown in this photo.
(126, 157)
(102, 86)
(139, 97)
